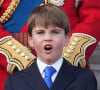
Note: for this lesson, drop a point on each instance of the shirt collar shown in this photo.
(41, 65)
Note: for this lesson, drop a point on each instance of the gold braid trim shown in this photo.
(74, 52)
(9, 11)
(17, 55)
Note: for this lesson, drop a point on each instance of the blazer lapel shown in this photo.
(64, 77)
(34, 78)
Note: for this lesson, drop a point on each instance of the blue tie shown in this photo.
(49, 71)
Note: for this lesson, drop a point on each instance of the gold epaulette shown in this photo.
(17, 55)
(74, 52)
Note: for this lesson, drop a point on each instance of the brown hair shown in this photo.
(46, 15)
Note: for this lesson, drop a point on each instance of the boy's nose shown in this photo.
(47, 37)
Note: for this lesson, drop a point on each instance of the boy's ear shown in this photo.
(30, 41)
(67, 37)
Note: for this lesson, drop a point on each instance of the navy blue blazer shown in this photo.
(68, 78)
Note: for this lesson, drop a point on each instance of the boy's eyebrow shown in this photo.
(39, 29)
(58, 29)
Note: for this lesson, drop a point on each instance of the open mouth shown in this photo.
(48, 47)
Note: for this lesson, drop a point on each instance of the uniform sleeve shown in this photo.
(3, 77)
(3, 60)
(89, 18)
(12, 52)
(89, 22)
(85, 26)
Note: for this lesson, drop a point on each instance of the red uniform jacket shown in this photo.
(84, 18)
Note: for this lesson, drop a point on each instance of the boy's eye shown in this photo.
(55, 32)
(40, 32)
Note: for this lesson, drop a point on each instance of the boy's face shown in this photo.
(48, 43)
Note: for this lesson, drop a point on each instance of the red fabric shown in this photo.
(3, 71)
(87, 21)
(3, 77)
(3, 61)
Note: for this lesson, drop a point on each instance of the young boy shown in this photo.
(49, 29)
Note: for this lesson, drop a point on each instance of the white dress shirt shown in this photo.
(57, 65)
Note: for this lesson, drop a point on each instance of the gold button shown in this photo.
(22, 54)
(69, 51)
(66, 55)
(14, 47)
(10, 43)
(72, 47)
(18, 50)
(27, 57)
(77, 39)
(74, 43)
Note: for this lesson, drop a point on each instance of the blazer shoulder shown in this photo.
(87, 72)
(79, 71)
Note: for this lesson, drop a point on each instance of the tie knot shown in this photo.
(49, 71)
